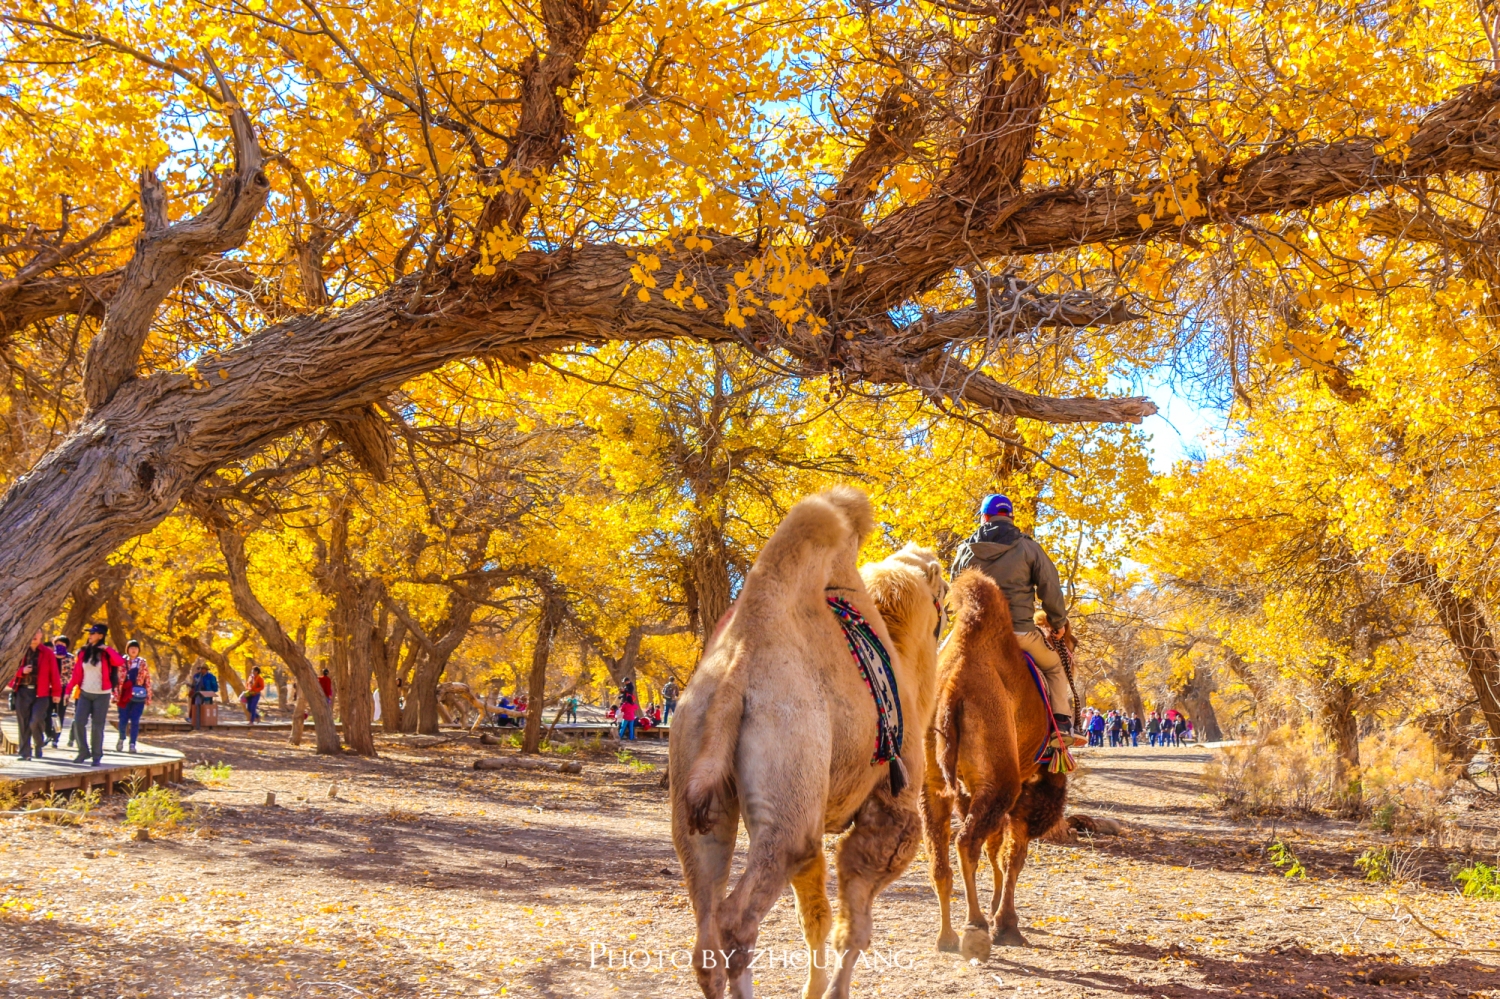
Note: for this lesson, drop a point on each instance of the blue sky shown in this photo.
(1181, 425)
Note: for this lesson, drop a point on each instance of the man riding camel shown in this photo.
(1025, 574)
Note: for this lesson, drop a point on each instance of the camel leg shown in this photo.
(765, 877)
(992, 848)
(872, 854)
(937, 813)
(971, 837)
(705, 868)
(811, 888)
(1013, 858)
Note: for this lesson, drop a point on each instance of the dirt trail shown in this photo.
(426, 878)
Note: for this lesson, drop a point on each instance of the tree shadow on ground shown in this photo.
(58, 957)
(1244, 851)
(1278, 973)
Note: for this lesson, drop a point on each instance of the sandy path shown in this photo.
(426, 878)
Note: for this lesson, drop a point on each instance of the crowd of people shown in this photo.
(51, 678)
(1117, 728)
(624, 712)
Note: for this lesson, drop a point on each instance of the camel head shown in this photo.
(909, 589)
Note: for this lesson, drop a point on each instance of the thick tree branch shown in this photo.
(165, 254)
(911, 250)
(897, 125)
(542, 133)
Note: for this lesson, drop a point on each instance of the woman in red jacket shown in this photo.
(132, 695)
(36, 683)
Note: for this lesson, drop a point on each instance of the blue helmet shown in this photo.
(994, 504)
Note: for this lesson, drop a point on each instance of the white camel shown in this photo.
(778, 727)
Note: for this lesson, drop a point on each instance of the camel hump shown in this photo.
(839, 518)
(978, 604)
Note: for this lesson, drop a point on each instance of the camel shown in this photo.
(777, 728)
(989, 723)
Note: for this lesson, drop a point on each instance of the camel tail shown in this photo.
(949, 726)
(712, 772)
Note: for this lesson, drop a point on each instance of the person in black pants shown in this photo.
(35, 684)
(60, 703)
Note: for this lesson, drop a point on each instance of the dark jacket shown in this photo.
(1019, 567)
(48, 680)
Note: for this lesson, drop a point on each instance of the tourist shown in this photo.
(204, 692)
(131, 695)
(1153, 728)
(669, 695)
(94, 674)
(195, 687)
(60, 648)
(572, 707)
(254, 688)
(1096, 730)
(1179, 730)
(1116, 729)
(627, 716)
(1134, 728)
(325, 682)
(35, 684)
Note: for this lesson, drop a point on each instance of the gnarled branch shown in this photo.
(165, 254)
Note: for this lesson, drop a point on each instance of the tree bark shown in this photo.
(351, 631)
(203, 650)
(1197, 697)
(553, 610)
(297, 710)
(1467, 627)
(1341, 728)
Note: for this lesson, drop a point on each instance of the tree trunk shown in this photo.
(710, 573)
(1341, 728)
(200, 648)
(387, 669)
(249, 607)
(553, 608)
(1467, 628)
(351, 630)
(297, 709)
(1197, 698)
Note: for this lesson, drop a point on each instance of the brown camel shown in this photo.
(989, 724)
(778, 728)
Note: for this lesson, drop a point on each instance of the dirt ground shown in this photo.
(424, 877)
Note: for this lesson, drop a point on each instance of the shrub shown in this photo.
(1282, 771)
(1406, 779)
(1403, 781)
(1377, 863)
(1286, 861)
(212, 773)
(1479, 880)
(173, 711)
(632, 761)
(156, 808)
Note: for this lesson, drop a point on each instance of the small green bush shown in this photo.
(212, 773)
(1377, 863)
(156, 808)
(1479, 880)
(173, 711)
(634, 762)
(1286, 861)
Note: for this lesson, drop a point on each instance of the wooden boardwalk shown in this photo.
(56, 771)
